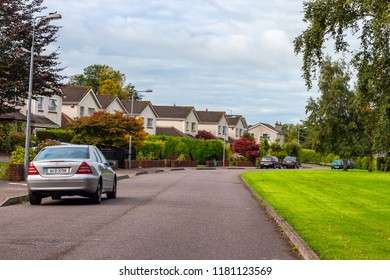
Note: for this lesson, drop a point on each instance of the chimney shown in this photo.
(278, 126)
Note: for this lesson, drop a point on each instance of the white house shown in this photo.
(110, 103)
(237, 126)
(79, 101)
(262, 131)
(45, 112)
(214, 122)
(183, 118)
(145, 111)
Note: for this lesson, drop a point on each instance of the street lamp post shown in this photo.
(30, 88)
(224, 132)
(131, 115)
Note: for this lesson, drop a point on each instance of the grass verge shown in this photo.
(340, 215)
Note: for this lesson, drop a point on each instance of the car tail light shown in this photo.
(32, 170)
(84, 169)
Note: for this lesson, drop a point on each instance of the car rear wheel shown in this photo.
(96, 198)
(112, 195)
(35, 199)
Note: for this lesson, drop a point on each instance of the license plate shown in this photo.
(50, 171)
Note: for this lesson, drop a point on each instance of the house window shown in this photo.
(149, 123)
(224, 130)
(219, 129)
(90, 111)
(240, 132)
(193, 127)
(40, 103)
(52, 105)
(265, 136)
(187, 126)
(81, 111)
(236, 132)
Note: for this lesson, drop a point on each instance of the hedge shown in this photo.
(55, 134)
(380, 163)
(199, 150)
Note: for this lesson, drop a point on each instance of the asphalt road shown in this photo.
(194, 215)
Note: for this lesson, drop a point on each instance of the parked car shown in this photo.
(270, 162)
(289, 161)
(67, 170)
(339, 164)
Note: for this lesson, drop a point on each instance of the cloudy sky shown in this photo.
(231, 55)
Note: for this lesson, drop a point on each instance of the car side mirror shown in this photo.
(112, 163)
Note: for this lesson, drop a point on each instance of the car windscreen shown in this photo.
(63, 153)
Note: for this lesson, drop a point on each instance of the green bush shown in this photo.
(383, 163)
(4, 167)
(292, 149)
(56, 134)
(11, 135)
(151, 150)
(199, 150)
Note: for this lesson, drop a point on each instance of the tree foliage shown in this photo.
(368, 22)
(16, 24)
(105, 80)
(335, 125)
(246, 148)
(106, 129)
(203, 134)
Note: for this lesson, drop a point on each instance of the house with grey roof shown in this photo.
(183, 118)
(237, 126)
(79, 101)
(214, 122)
(110, 103)
(144, 110)
(262, 131)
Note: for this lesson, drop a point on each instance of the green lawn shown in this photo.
(340, 215)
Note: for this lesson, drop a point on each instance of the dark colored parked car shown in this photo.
(290, 162)
(350, 164)
(270, 162)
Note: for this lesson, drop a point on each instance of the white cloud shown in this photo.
(217, 54)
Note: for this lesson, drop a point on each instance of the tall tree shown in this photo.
(105, 80)
(335, 126)
(368, 22)
(16, 24)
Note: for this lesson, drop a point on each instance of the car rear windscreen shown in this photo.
(63, 153)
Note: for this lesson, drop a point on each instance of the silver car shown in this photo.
(70, 170)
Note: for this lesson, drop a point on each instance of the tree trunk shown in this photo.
(345, 165)
(370, 163)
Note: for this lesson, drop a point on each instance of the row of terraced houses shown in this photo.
(184, 121)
